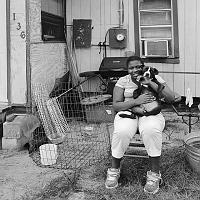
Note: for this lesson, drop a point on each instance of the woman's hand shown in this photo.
(145, 98)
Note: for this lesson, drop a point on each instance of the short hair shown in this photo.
(132, 58)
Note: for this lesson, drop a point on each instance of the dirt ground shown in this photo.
(20, 178)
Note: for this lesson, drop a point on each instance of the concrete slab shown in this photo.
(18, 132)
(22, 125)
(14, 143)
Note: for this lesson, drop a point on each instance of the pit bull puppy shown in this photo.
(147, 109)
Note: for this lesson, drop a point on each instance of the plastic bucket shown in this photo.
(48, 154)
(192, 147)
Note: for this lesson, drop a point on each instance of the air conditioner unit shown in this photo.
(156, 48)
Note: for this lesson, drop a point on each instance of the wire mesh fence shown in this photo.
(73, 132)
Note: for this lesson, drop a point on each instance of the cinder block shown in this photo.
(18, 132)
(22, 125)
(14, 143)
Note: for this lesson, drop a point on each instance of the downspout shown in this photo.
(121, 13)
(28, 65)
(8, 50)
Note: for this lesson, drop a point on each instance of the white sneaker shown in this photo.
(153, 181)
(112, 178)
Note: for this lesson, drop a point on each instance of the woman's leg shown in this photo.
(155, 164)
(124, 130)
(151, 128)
(115, 163)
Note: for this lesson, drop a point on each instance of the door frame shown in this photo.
(5, 51)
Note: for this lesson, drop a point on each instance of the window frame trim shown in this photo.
(175, 58)
(50, 15)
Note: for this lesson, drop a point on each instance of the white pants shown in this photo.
(150, 128)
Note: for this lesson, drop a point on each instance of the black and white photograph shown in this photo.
(100, 100)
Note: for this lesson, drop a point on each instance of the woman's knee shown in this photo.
(152, 134)
(125, 128)
(152, 137)
(150, 130)
(152, 127)
(124, 132)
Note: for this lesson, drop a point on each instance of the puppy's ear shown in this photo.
(155, 71)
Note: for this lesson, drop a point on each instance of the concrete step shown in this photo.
(17, 131)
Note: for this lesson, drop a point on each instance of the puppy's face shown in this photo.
(149, 72)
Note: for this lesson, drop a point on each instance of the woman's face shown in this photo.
(134, 67)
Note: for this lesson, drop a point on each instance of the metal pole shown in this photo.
(189, 120)
(189, 124)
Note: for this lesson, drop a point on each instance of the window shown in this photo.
(156, 32)
(53, 20)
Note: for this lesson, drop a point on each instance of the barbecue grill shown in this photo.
(110, 70)
(109, 67)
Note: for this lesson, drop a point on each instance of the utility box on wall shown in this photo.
(82, 32)
(118, 38)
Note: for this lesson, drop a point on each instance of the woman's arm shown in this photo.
(118, 100)
(166, 92)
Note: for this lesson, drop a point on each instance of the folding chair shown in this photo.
(136, 148)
